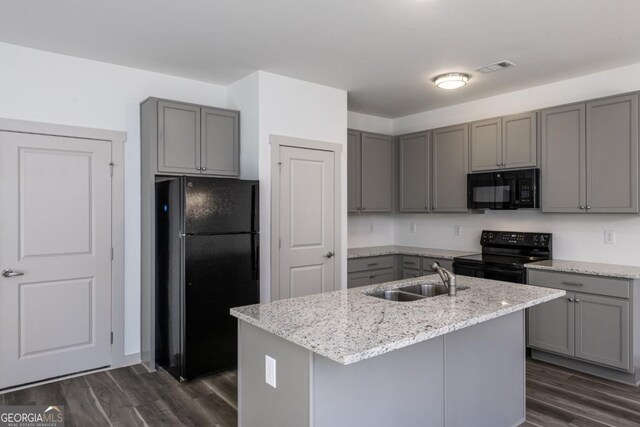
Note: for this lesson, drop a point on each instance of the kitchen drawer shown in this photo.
(444, 263)
(409, 273)
(581, 283)
(411, 262)
(370, 263)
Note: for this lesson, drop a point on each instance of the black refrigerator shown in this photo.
(207, 261)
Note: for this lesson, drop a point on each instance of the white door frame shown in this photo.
(117, 140)
(276, 142)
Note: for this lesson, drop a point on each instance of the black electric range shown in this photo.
(504, 254)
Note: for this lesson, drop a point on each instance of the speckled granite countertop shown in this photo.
(592, 268)
(349, 326)
(405, 250)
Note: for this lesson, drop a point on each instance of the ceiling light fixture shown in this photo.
(451, 80)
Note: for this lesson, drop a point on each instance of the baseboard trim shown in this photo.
(587, 368)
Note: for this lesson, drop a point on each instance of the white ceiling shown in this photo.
(382, 51)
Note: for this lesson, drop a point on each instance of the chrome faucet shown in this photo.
(447, 277)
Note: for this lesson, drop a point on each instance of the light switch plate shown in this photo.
(270, 370)
(412, 227)
(457, 230)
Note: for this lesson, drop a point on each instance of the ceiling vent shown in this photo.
(490, 68)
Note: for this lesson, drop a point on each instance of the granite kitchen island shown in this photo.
(346, 358)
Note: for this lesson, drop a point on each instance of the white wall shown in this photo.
(576, 236)
(370, 123)
(299, 109)
(46, 87)
(243, 95)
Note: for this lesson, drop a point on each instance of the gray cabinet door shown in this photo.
(551, 325)
(486, 145)
(450, 165)
(220, 153)
(519, 141)
(382, 276)
(602, 330)
(612, 155)
(408, 273)
(563, 174)
(178, 138)
(376, 153)
(353, 171)
(361, 278)
(414, 159)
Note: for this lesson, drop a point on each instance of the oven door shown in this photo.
(493, 190)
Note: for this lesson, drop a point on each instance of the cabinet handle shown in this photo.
(570, 299)
(409, 263)
(204, 169)
(198, 168)
(588, 207)
(497, 164)
(373, 264)
(577, 300)
(565, 282)
(581, 206)
(373, 276)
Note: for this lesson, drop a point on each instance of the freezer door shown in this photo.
(220, 205)
(221, 272)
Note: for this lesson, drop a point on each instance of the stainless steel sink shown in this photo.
(396, 295)
(414, 292)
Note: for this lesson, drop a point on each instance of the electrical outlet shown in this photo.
(609, 237)
(412, 227)
(372, 227)
(457, 230)
(270, 370)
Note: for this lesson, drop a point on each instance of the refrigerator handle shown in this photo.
(255, 256)
(254, 214)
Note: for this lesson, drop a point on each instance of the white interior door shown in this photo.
(55, 256)
(307, 221)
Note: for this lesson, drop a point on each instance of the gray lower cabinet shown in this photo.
(377, 172)
(408, 273)
(193, 139)
(590, 157)
(414, 154)
(370, 270)
(592, 323)
(552, 325)
(450, 165)
(504, 142)
(602, 330)
(353, 171)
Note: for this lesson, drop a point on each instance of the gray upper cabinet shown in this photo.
(353, 171)
(563, 172)
(196, 140)
(178, 138)
(602, 330)
(377, 170)
(450, 165)
(612, 155)
(519, 141)
(504, 142)
(414, 171)
(590, 157)
(220, 146)
(486, 145)
(551, 325)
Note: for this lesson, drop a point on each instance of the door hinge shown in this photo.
(280, 166)
(111, 165)
(111, 337)
(111, 254)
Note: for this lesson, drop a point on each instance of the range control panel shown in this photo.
(512, 238)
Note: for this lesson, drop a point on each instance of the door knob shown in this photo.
(11, 273)
(329, 254)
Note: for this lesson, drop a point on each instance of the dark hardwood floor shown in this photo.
(133, 397)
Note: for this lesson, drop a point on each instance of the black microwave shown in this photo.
(516, 189)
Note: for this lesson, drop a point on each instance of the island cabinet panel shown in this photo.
(353, 171)
(414, 152)
(552, 325)
(612, 155)
(377, 170)
(257, 399)
(563, 173)
(602, 330)
(178, 138)
(486, 145)
(450, 165)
